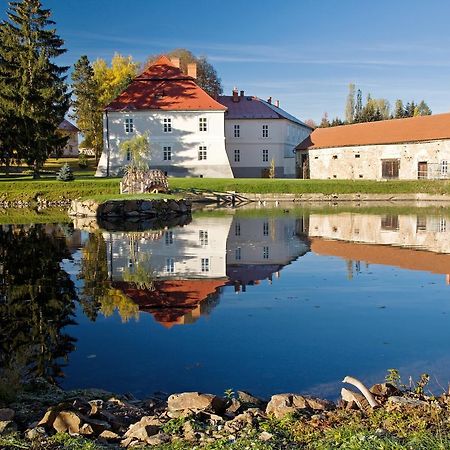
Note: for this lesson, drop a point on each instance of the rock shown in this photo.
(35, 434)
(6, 414)
(86, 430)
(282, 404)
(406, 402)
(109, 435)
(196, 401)
(265, 436)
(148, 426)
(384, 390)
(354, 399)
(234, 407)
(189, 431)
(159, 439)
(67, 421)
(96, 407)
(49, 418)
(248, 418)
(250, 400)
(7, 427)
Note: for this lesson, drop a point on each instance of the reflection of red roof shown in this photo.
(386, 255)
(171, 299)
(414, 129)
(163, 86)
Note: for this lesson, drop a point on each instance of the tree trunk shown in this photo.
(36, 173)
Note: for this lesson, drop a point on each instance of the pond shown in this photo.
(264, 300)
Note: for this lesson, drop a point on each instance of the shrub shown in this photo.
(82, 161)
(65, 173)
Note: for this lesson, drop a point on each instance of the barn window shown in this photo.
(357, 155)
(390, 168)
(444, 168)
(129, 125)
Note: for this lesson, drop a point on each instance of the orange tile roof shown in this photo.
(405, 258)
(394, 131)
(163, 86)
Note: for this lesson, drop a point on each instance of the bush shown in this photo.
(65, 173)
(82, 161)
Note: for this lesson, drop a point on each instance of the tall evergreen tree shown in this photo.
(399, 112)
(350, 104)
(32, 86)
(422, 109)
(358, 107)
(86, 106)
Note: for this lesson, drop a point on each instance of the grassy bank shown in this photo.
(26, 189)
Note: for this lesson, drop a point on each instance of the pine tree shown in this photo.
(65, 173)
(423, 109)
(350, 105)
(86, 106)
(358, 107)
(32, 86)
(399, 112)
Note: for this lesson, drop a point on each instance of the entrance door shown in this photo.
(303, 170)
(422, 170)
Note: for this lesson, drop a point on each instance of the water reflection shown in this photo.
(36, 301)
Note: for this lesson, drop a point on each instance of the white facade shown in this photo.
(415, 160)
(251, 148)
(182, 143)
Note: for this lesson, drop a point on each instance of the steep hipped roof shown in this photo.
(394, 131)
(65, 125)
(249, 107)
(163, 86)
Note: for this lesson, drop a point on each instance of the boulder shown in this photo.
(250, 400)
(282, 404)
(148, 426)
(354, 400)
(7, 427)
(196, 401)
(406, 402)
(384, 390)
(67, 421)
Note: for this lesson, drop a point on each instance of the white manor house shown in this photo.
(192, 134)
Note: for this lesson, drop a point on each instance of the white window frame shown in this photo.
(129, 125)
(167, 125)
(203, 237)
(170, 265)
(444, 168)
(237, 155)
(203, 124)
(205, 265)
(202, 153)
(265, 131)
(168, 237)
(265, 155)
(167, 153)
(266, 252)
(237, 131)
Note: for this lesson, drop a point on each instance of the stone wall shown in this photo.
(128, 209)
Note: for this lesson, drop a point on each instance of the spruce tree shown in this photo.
(358, 107)
(399, 109)
(65, 173)
(32, 86)
(86, 106)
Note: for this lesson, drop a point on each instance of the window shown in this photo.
(167, 153)
(237, 253)
(129, 125)
(237, 155)
(444, 168)
(390, 168)
(335, 156)
(389, 222)
(421, 223)
(203, 237)
(128, 155)
(237, 229)
(265, 131)
(170, 265)
(266, 252)
(202, 153)
(168, 237)
(265, 155)
(442, 225)
(167, 125)
(205, 264)
(266, 228)
(237, 131)
(357, 155)
(202, 124)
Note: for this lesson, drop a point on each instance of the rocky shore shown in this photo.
(43, 416)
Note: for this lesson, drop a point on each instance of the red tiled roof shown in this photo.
(394, 131)
(163, 86)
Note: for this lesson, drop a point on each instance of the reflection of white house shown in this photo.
(194, 251)
(259, 247)
(417, 147)
(69, 129)
(258, 132)
(185, 125)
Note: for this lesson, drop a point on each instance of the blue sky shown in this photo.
(302, 52)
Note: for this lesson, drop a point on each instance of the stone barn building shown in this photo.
(413, 148)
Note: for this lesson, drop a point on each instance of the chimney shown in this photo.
(277, 103)
(242, 93)
(235, 95)
(192, 70)
(269, 100)
(175, 61)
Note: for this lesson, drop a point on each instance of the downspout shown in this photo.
(108, 148)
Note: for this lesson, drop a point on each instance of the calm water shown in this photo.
(266, 301)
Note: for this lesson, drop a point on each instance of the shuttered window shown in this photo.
(390, 168)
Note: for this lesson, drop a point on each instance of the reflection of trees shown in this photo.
(36, 302)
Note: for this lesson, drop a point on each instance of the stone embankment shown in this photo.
(194, 418)
(129, 209)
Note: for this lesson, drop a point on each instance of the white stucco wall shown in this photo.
(342, 163)
(71, 148)
(284, 136)
(185, 140)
